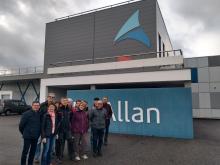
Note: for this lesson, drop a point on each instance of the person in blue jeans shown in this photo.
(43, 110)
(38, 151)
(49, 127)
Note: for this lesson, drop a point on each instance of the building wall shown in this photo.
(92, 35)
(162, 31)
(30, 94)
(206, 89)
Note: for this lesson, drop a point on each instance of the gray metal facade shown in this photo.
(92, 35)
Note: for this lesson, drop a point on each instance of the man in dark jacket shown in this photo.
(108, 108)
(30, 128)
(64, 133)
(97, 118)
(44, 105)
(43, 111)
(95, 101)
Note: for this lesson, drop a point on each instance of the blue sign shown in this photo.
(163, 112)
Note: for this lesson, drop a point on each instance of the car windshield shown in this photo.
(18, 103)
(22, 103)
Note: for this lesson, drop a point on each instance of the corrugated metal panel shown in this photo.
(92, 35)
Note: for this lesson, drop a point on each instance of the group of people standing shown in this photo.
(51, 124)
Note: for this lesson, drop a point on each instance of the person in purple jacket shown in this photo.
(79, 126)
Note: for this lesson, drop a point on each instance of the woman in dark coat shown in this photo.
(48, 133)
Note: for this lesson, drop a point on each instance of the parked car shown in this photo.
(13, 106)
(1, 106)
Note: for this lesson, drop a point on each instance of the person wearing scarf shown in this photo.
(48, 134)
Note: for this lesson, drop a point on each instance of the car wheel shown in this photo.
(8, 112)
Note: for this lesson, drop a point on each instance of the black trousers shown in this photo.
(29, 147)
(107, 124)
(60, 145)
(97, 139)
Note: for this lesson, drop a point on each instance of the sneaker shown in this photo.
(77, 158)
(85, 157)
(105, 143)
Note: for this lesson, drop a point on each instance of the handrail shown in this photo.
(21, 71)
(115, 57)
(97, 9)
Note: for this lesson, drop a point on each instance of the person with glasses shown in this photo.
(43, 110)
(64, 132)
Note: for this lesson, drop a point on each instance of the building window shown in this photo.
(194, 75)
(159, 42)
(164, 50)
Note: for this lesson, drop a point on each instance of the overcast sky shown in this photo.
(194, 26)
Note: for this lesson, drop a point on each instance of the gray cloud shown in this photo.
(22, 26)
(193, 25)
(203, 10)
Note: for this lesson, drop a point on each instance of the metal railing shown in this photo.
(21, 71)
(97, 9)
(137, 56)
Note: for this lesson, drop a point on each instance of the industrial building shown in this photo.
(119, 47)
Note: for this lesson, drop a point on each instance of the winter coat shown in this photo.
(79, 122)
(30, 125)
(97, 118)
(46, 126)
(43, 108)
(108, 110)
(63, 115)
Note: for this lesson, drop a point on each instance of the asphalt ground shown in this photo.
(204, 149)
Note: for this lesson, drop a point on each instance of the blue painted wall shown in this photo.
(174, 105)
(194, 75)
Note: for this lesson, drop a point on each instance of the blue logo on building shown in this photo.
(133, 30)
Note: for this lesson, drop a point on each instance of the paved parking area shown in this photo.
(131, 150)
